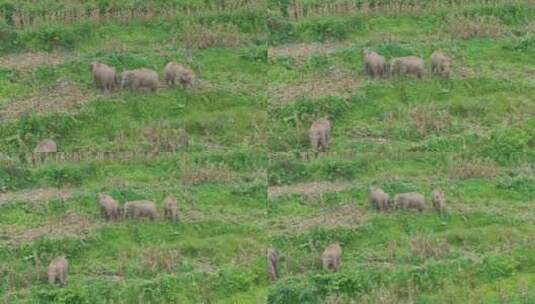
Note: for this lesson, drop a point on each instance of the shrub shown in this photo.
(122, 61)
(280, 30)
(69, 295)
(510, 14)
(8, 38)
(255, 53)
(58, 175)
(325, 29)
(13, 176)
(505, 145)
(495, 267)
(524, 44)
(345, 170)
(248, 21)
(483, 27)
(394, 49)
(285, 172)
(306, 110)
(219, 35)
(428, 119)
(519, 184)
(293, 291)
(49, 37)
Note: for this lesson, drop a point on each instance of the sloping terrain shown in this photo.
(233, 148)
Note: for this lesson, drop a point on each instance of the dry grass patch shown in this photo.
(221, 35)
(345, 216)
(484, 27)
(200, 216)
(336, 82)
(163, 137)
(462, 169)
(59, 98)
(28, 61)
(427, 247)
(466, 72)
(71, 225)
(34, 196)
(207, 174)
(428, 119)
(300, 51)
(308, 189)
(524, 213)
(157, 259)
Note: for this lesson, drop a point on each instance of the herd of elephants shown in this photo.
(106, 79)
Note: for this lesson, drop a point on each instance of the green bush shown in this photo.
(122, 61)
(64, 175)
(307, 110)
(394, 49)
(255, 53)
(8, 38)
(247, 21)
(6, 9)
(285, 172)
(510, 14)
(13, 176)
(68, 295)
(506, 145)
(495, 267)
(50, 37)
(346, 170)
(524, 44)
(280, 30)
(327, 29)
(293, 291)
(280, 5)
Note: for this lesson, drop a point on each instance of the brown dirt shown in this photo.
(58, 98)
(29, 61)
(336, 82)
(70, 225)
(308, 189)
(345, 216)
(34, 196)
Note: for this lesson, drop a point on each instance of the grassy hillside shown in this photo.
(213, 254)
(479, 251)
(472, 135)
(234, 150)
(317, 71)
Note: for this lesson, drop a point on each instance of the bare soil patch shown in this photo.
(35, 195)
(59, 98)
(308, 189)
(336, 82)
(31, 60)
(345, 216)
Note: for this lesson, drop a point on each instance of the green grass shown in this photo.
(473, 135)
